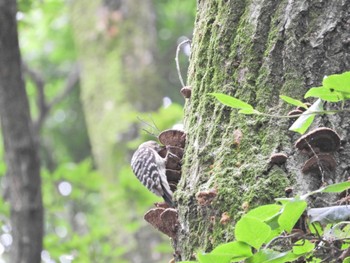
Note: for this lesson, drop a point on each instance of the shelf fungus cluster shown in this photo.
(173, 150)
(163, 217)
(319, 145)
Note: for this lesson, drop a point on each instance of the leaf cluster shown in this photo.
(335, 88)
(268, 234)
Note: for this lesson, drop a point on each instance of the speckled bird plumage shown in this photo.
(149, 168)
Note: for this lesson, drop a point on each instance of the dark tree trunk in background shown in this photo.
(254, 50)
(21, 151)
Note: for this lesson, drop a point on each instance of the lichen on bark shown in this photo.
(253, 50)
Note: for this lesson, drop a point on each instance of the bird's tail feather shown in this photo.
(168, 198)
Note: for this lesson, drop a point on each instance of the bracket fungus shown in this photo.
(172, 137)
(323, 140)
(186, 92)
(172, 150)
(164, 220)
(295, 112)
(173, 162)
(323, 161)
(278, 158)
(288, 190)
(173, 175)
(302, 108)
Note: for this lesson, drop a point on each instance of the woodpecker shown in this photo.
(149, 168)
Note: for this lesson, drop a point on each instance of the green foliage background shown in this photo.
(76, 225)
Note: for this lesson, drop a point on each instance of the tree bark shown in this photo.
(255, 51)
(21, 151)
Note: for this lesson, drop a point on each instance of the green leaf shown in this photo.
(294, 102)
(249, 111)
(305, 120)
(291, 213)
(252, 231)
(302, 123)
(346, 260)
(271, 256)
(302, 247)
(210, 258)
(345, 246)
(285, 200)
(231, 101)
(338, 82)
(315, 228)
(324, 94)
(236, 250)
(188, 262)
(336, 188)
(265, 212)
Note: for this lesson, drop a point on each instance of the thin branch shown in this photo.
(71, 81)
(43, 106)
(320, 168)
(39, 83)
(281, 237)
(149, 125)
(177, 60)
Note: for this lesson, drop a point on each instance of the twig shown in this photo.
(281, 237)
(320, 168)
(43, 106)
(39, 83)
(177, 60)
(149, 125)
(71, 81)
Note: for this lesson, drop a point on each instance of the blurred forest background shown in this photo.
(97, 73)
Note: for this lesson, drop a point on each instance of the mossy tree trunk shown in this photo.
(255, 51)
(116, 42)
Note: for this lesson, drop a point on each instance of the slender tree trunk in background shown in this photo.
(116, 44)
(117, 41)
(21, 150)
(254, 50)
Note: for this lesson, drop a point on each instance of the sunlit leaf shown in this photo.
(264, 212)
(291, 214)
(315, 228)
(336, 188)
(236, 250)
(210, 258)
(324, 94)
(249, 111)
(271, 256)
(231, 101)
(302, 247)
(338, 82)
(252, 231)
(294, 102)
(305, 120)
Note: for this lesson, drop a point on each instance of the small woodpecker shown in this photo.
(149, 168)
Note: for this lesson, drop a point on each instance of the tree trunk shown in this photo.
(255, 51)
(21, 150)
(119, 79)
